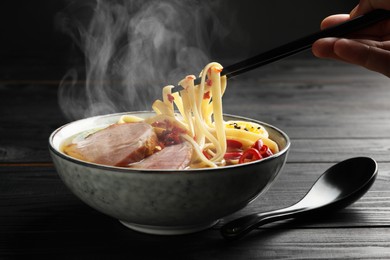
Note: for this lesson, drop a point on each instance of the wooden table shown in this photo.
(331, 111)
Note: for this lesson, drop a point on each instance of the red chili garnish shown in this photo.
(265, 151)
(250, 155)
(171, 135)
(170, 98)
(206, 154)
(206, 95)
(258, 144)
(209, 82)
(169, 138)
(232, 155)
(218, 70)
(209, 72)
(233, 144)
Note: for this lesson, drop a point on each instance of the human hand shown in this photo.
(369, 48)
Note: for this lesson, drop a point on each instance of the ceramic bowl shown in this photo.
(165, 201)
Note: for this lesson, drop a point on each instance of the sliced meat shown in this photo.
(116, 145)
(175, 157)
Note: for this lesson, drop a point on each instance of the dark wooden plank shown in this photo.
(309, 99)
(328, 150)
(373, 209)
(27, 193)
(314, 99)
(28, 114)
(331, 111)
(40, 217)
(33, 103)
(359, 243)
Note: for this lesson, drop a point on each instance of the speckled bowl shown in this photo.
(164, 201)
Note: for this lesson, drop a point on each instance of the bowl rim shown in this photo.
(164, 171)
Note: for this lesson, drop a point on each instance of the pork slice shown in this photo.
(116, 145)
(174, 157)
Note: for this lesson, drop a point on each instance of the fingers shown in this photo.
(368, 56)
(324, 48)
(370, 47)
(366, 6)
(334, 20)
(373, 56)
(378, 30)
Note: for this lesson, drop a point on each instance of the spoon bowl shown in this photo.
(338, 187)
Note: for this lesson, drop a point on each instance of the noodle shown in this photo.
(200, 116)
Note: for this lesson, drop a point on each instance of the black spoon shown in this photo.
(338, 187)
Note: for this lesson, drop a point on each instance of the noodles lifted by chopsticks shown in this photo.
(200, 119)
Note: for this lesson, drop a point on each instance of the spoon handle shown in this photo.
(242, 226)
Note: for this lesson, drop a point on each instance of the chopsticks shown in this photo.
(303, 43)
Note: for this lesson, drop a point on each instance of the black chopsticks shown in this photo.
(304, 43)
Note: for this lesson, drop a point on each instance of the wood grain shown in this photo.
(331, 111)
(38, 215)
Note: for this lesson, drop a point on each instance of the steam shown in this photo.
(132, 49)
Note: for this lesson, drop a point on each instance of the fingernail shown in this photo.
(353, 12)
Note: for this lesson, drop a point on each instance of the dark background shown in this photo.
(32, 46)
